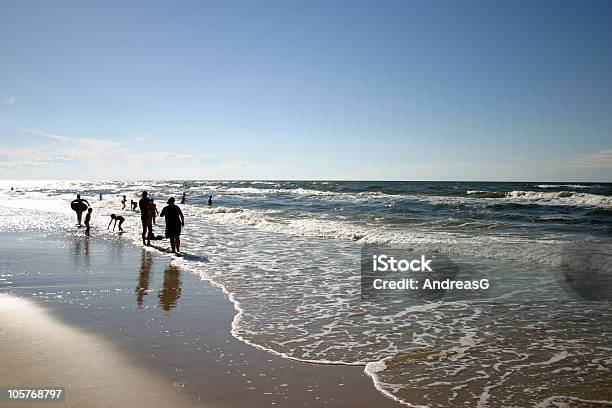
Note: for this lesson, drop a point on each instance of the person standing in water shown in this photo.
(87, 220)
(154, 212)
(79, 205)
(174, 222)
(146, 218)
(183, 198)
(209, 201)
(123, 201)
(100, 196)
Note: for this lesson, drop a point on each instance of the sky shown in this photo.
(351, 90)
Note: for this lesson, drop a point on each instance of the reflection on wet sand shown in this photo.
(146, 261)
(81, 247)
(171, 290)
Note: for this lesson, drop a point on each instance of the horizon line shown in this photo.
(313, 180)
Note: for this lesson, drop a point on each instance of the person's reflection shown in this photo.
(87, 259)
(146, 260)
(80, 252)
(77, 249)
(171, 291)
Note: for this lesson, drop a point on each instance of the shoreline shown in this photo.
(302, 381)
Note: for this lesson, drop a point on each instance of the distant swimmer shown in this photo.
(123, 201)
(87, 220)
(133, 205)
(116, 218)
(146, 218)
(183, 198)
(154, 212)
(209, 200)
(174, 222)
(79, 205)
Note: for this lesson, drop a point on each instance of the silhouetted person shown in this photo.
(171, 290)
(115, 218)
(87, 220)
(146, 218)
(133, 205)
(183, 198)
(154, 212)
(123, 201)
(174, 222)
(209, 201)
(79, 205)
(146, 260)
(100, 197)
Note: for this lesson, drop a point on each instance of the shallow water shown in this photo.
(164, 320)
(289, 255)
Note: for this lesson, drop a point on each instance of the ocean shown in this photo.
(288, 255)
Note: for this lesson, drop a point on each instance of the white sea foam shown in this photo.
(569, 198)
(547, 198)
(562, 186)
(497, 246)
(563, 197)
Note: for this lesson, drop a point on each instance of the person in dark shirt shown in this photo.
(123, 201)
(209, 201)
(174, 222)
(183, 198)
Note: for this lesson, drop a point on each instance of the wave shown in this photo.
(558, 197)
(564, 197)
(562, 186)
(493, 247)
(570, 198)
(486, 194)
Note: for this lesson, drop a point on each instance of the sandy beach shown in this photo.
(121, 326)
(40, 350)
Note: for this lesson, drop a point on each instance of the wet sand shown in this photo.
(39, 350)
(157, 322)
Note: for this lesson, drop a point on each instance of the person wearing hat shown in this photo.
(174, 221)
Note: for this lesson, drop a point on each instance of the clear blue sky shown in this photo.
(477, 90)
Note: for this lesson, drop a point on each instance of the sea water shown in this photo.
(288, 254)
